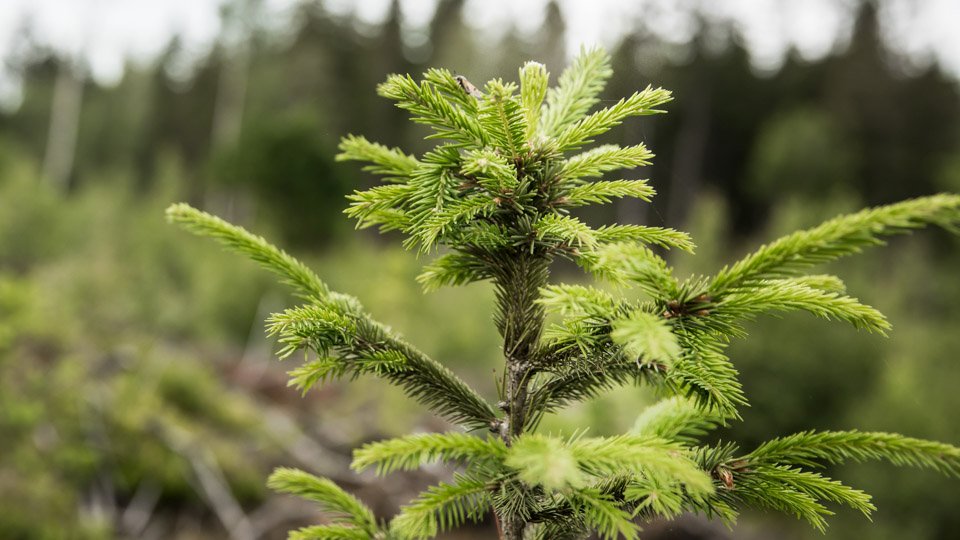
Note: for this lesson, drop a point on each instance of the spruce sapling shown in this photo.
(496, 195)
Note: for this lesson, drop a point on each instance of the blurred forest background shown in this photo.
(139, 397)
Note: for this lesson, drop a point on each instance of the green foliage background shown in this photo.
(125, 345)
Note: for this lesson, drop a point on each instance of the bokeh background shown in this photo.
(139, 397)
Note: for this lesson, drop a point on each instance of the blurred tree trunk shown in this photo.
(229, 104)
(688, 156)
(64, 124)
(231, 94)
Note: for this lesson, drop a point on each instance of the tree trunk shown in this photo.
(520, 321)
(691, 148)
(64, 124)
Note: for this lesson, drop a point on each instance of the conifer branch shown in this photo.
(576, 300)
(482, 238)
(391, 163)
(560, 530)
(452, 269)
(655, 497)
(782, 488)
(533, 90)
(410, 452)
(609, 157)
(502, 117)
(604, 192)
(436, 184)
(497, 196)
(577, 385)
(709, 377)
(823, 282)
(817, 486)
(646, 337)
(340, 505)
(316, 373)
(640, 103)
(567, 229)
(492, 171)
(838, 237)
(624, 263)
(450, 88)
(329, 532)
(723, 503)
(380, 205)
(540, 460)
(648, 457)
(365, 346)
(676, 418)
(515, 501)
(660, 236)
(577, 91)
(564, 517)
(809, 447)
(313, 326)
(443, 507)
(337, 321)
(768, 476)
(428, 104)
(790, 295)
(783, 498)
(440, 224)
(604, 516)
(293, 272)
(565, 339)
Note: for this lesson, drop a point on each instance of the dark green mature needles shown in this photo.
(495, 196)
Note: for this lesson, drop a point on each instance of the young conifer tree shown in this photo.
(496, 195)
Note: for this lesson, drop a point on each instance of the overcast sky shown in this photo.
(108, 32)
